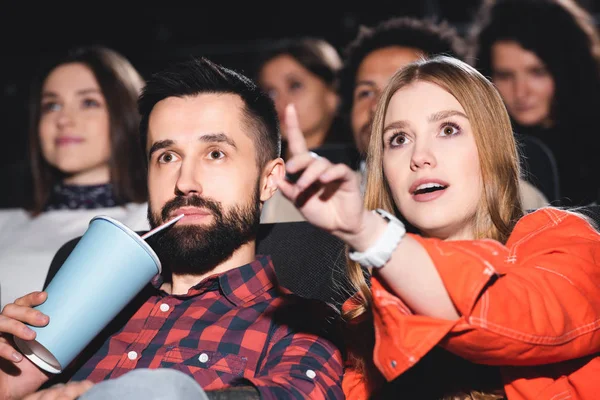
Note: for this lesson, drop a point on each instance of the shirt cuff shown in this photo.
(402, 338)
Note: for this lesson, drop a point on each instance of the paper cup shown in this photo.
(108, 267)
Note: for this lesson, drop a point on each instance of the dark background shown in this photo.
(230, 33)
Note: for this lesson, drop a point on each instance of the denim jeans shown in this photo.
(147, 384)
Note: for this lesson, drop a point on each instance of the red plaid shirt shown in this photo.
(231, 329)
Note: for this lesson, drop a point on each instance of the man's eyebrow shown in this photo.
(217, 138)
(208, 138)
(365, 82)
(161, 144)
(440, 115)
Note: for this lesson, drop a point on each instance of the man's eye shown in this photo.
(167, 158)
(502, 76)
(216, 154)
(363, 94)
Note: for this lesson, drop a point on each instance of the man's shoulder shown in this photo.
(306, 305)
(312, 316)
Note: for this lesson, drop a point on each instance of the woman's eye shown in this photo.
(50, 106)
(450, 130)
(295, 85)
(167, 158)
(216, 154)
(398, 139)
(91, 103)
(539, 72)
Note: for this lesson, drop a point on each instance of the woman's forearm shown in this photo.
(410, 272)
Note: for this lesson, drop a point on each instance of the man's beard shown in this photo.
(198, 249)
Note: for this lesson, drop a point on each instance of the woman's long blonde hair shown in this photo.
(499, 207)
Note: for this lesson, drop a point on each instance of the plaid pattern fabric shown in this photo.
(231, 329)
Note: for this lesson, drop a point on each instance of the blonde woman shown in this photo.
(480, 280)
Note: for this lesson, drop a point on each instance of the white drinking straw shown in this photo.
(161, 227)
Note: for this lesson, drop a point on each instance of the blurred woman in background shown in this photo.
(548, 74)
(86, 160)
(303, 72)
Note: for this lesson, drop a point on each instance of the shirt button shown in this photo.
(393, 363)
(203, 358)
(311, 374)
(132, 355)
(164, 307)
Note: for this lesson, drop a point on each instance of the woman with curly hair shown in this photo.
(548, 74)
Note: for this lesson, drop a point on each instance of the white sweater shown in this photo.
(28, 245)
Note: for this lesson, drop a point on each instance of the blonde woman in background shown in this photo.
(303, 72)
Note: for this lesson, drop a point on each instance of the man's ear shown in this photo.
(272, 171)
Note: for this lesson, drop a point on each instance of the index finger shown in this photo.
(32, 299)
(296, 142)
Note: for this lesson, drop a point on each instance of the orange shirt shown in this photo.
(531, 306)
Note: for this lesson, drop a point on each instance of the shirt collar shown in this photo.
(239, 285)
(244, 284)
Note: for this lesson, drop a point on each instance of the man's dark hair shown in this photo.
(430, 37)
(200, 75)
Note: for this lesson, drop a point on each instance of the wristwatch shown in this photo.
(380, 253)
